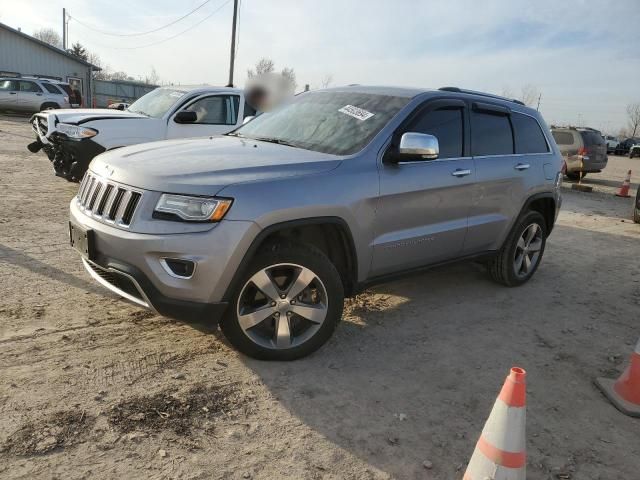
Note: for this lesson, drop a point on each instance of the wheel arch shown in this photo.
(545, 204)
(331, 235)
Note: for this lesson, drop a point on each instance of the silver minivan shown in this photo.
(31, 95)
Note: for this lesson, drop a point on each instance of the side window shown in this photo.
(446, 125)
(216, 110)
(8, 85)
(491, 134)
(29, 87)
(563, 138)
(249, 111)
(528, 135)
(51, 88)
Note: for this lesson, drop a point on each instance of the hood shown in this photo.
(204, 166)
(83, 115)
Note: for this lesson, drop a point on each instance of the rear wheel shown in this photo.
(49, 106)
(519, 257)
(287, 304)
(575, 176)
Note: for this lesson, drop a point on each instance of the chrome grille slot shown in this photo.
(107, 201)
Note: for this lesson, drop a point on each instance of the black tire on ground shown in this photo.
(575, 176)
(636, 208)
(49, 106)
(502, 267)
(299, 254)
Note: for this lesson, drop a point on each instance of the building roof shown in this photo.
(51, 47)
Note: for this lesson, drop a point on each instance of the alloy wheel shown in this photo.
(282, 306)
(527, 254)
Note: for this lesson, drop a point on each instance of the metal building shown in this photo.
(22, 54)
(106, 92)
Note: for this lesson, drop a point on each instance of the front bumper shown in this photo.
(129, 264)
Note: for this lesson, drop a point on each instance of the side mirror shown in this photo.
(120, 107)
(419, 145)
(185, 117)
(248, 119)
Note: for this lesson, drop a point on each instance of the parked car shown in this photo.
(636, 208)
(119, 106)
(25, 94)
(612, 143)
(625, 145)
(269, 227)
(71, 138)
(584, 150)
(634, 151)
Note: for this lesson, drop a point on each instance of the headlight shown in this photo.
(74, 131)
(194, 209)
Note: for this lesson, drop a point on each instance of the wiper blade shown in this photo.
(279, 141)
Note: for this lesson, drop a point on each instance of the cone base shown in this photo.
(623, 196)
(606, 386)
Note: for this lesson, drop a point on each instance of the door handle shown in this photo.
(522, 166)
(461, 173)
(39, 94)
(13, 93)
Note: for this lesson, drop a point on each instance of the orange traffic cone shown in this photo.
(624, 393)
(500, 452)
(623, 191)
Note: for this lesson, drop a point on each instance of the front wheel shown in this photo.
(287, 304)
(519, 257)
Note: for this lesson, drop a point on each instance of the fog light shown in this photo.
(177, 267)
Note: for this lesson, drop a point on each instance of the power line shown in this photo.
(170, 38)
(139, 33)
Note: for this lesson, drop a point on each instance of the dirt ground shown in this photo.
(93, 387)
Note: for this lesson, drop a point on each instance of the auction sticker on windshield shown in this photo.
(356, 112)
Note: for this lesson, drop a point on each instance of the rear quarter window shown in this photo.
(563, 138)
(591, 138)
(52, 88)
(528, 134)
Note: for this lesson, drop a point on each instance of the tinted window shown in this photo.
(216, 110)
(592, 138)
(29, 87)
(563, 138)
(528, 135)
(326, 121)
(51, 88)
(491, 134)
(249, 111)
(446, 125)
(8, 85)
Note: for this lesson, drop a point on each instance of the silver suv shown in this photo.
(25, 94)
(269, 227)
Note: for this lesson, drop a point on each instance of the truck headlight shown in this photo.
(194, 209)
(74, 131)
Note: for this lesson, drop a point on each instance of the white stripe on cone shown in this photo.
(505, 427)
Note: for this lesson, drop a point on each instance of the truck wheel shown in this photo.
(519, 257)
(287, 304)
(636, 208)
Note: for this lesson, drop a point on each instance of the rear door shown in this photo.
(216, 114)
(595, 146)
(509, 151)
(9, 94)
(31, 96)
(422, 211)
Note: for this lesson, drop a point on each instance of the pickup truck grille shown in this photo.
(40, 124)
(107, 201)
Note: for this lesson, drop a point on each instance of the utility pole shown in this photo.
(539, 97)
(64, 28)
(233, 41)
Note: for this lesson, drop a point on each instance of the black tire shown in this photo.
(575, 176)
(502, 266)
(636, 208)
(49, 106)
(290, 253)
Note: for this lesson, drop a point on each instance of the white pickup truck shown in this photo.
(71, 138)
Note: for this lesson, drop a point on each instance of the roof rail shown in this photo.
(481, 94)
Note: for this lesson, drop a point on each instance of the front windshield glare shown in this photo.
(339, 123)
(156, 103)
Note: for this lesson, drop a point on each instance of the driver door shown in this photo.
(423, 207)
(215, 115)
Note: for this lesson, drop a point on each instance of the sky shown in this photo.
(583, 57)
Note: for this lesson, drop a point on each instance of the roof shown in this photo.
(51, 47)
(407, 92)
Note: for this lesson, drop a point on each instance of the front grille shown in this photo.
(107, 201)
(118, 281)
(40, 124)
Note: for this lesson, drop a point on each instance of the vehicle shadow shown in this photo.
(414, 369)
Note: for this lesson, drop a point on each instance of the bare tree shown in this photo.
(153, 78)
(264, 65)
(48, 35)
(507, 92)
(530, 95)
(633, 112)
(290, 78)
(326, 81)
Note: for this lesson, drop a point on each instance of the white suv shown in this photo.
(26, 94)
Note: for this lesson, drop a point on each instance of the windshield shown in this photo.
(157, 102)
(340, 123)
